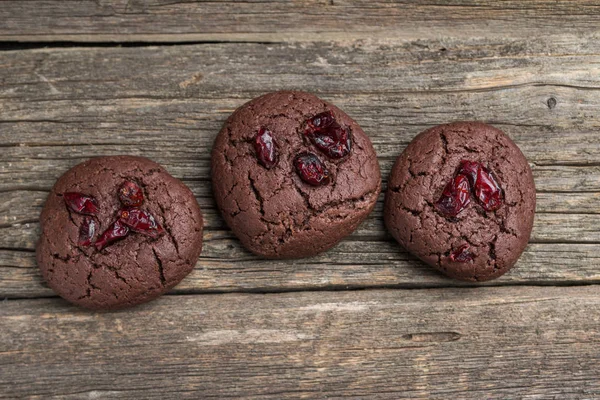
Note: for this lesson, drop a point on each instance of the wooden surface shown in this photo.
(394, 344)
(530, 68)
(179, 21)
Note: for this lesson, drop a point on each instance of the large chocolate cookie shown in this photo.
(293, 174)
(461, 197)
(118, 231)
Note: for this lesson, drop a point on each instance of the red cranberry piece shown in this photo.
(80, 203)
(328, 136)
(487, 190)
(335, 142)
(455, 197)
(116, 231)
(462, 254)
(311, 170)
(130, 194)
(87, 230)
(470, 169)
(321, 121)
(484, 185)
(264, 144)
(141, 221)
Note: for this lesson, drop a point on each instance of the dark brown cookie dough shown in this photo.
(272, 210)
(476, 244)
(130, 271)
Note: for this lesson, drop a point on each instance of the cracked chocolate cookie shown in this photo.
(293, 174)
(118, 231)
(461, 197)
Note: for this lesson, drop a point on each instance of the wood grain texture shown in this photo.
(61, 106)
(280, 20)
(532, 68)
(564, 250)
(516, 342)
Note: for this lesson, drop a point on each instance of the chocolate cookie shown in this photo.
(293, 174)
(118, 231)
(461, 197)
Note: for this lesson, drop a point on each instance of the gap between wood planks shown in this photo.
(351, 288)
(18, 45)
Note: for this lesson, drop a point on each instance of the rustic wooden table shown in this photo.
(157, 78)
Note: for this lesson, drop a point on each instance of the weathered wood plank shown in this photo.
(145, 102)
(24, 206)
(36, 169)
(354, 263)
(277, 20)
(366, 66)
(166, 109)
(234, 70)
(20, 207)
(559, 227)
(515, 342)
(368, 258)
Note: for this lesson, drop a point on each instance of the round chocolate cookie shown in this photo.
(461, 197)
(293, 174)
(118, 231)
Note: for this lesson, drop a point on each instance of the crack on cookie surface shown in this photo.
(161, 272)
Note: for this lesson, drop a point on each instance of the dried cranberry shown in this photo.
(81, 203)
(462, 254)
(116, 231)
(130, 194)
(87, 230)
(311, 170)
(141, 221)
(455, 197)
(321, 121)
(328, 136)
(264, 144)
(487, 190)
(470, 169)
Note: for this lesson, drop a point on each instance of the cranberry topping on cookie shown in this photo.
(87, 230)
(311, 170)
(130, 194)
(328, 135)
(131, 218)
(141, 221)
(462, 254)
(471, 178)
(486, 189)
(116, 231)
(264, 144)
(455, 197)
(81, 203)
